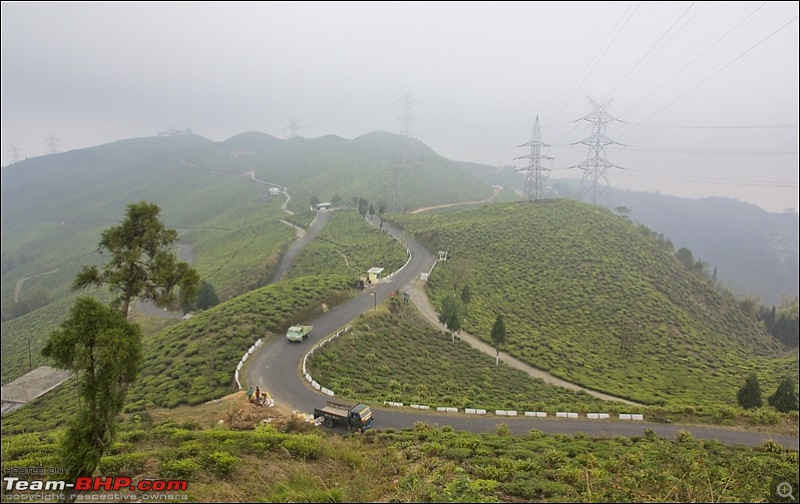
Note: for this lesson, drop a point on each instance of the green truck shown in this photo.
(298, 332)
(355, 418)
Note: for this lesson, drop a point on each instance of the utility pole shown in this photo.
(594, 183)
(534, 180)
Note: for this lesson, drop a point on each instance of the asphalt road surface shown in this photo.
(276, 367)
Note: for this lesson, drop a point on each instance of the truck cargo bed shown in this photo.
(330, 410)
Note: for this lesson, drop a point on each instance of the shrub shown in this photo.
(353, 458)
(298, 425)
(503, 430)
(191, 426)
(771, 446)
(303, 446)
(178, 469)
(536, 434)
(128, 464)
(219, 463)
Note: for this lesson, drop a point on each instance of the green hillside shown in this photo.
(30, 330)
(55, 208)
(406, 360)
(238, 250)
(586, 295)
(70, 185)
(365, 167)
(190, 361)
(252, 141)
(348, 245)
(194, 361)
(598, 301)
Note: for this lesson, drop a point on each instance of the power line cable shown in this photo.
(762, 126)
(710, 152)
(694, 59)
(709, 77)
(709, 180)
(636, 68)
(597, 58)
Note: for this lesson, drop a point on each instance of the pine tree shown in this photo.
(749, 395)
(785, 397)
(498, 336)
(452, 315)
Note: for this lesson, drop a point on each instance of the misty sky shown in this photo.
(708, 91)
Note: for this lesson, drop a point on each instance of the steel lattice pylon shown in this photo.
(534, 179)
(594, 182)
(400, 166)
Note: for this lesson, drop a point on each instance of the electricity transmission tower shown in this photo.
(293, 127)
(400, 166)
(13, 154)
(534, 179)
(594, 182)
(52, 144)
(407, 126)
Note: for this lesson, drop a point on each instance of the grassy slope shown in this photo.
(409, 361)
(237, 251)
(194, 361)
(235, 230)
(287, 461)
(32, 329)
(349, 246)
(571, 279)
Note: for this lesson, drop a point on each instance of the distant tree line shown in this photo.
(782, 324)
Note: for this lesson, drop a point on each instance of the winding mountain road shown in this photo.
(276, 367)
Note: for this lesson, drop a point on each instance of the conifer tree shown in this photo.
(785, 397)
(749, 395)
